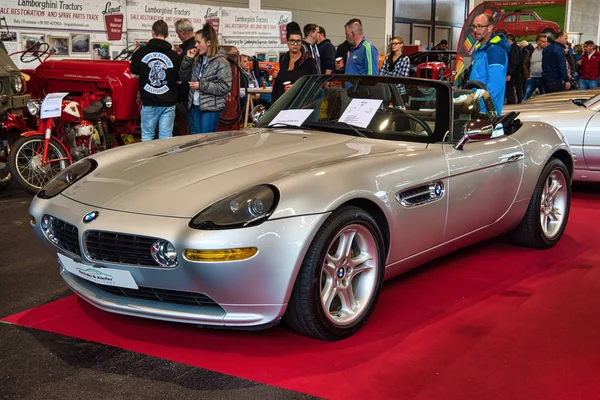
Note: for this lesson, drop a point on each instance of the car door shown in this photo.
(591, 143)
(525, 24)
(418, 182)
(484, 178)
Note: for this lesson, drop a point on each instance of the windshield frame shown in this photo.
(308, 85)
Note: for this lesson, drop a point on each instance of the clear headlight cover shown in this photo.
(107, 101)
(33, 106)
(18, 84)
(67, 177)
(248, 208)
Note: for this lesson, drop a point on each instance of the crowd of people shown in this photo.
(199, 77)
(513, 72)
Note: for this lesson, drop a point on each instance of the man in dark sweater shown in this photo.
(554, 65)
(185, 32)
(327, 51)
(514, 81)
(157, 67)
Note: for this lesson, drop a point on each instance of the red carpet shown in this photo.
(489, 322)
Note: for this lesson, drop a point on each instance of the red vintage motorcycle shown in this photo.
(37, 156)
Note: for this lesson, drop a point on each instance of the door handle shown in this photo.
(515, 157)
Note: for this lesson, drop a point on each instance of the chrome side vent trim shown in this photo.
(421, 195)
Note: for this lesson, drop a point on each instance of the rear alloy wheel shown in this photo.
(548, 211)
(548, 32)
(340, 279)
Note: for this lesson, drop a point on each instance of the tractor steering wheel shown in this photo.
(35, 52)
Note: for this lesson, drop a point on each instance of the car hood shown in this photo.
(181, 176)
(546, 110)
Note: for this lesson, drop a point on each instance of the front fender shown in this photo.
(65, 148)
(15, 122)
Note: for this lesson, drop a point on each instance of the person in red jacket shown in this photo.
(589, 67)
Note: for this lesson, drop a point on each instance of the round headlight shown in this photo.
(107, 101)
(47, 225)
(17, 84)
(248, 208)
(33, 106)
(164, 253)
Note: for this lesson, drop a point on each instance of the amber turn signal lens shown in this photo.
(220, 255)
(32, 220)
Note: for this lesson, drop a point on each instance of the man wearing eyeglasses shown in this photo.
(490, 59)
(589, 66)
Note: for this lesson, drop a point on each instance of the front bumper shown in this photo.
(248, 293)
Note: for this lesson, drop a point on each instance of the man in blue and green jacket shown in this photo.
(490, 60)
(363, 58)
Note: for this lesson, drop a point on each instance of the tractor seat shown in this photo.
(93, 111)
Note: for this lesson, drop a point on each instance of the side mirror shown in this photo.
(258, 112)
(476, 130)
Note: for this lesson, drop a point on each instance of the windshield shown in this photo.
(593, 103)
(388, 108)
(469, 105)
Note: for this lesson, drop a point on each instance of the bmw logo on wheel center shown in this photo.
(89, 217)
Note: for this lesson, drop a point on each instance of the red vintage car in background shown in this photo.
(525, 23)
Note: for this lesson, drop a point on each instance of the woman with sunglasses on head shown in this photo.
(208, 71)
(293, 64)
(396, 63)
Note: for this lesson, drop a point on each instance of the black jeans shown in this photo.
(553, 85)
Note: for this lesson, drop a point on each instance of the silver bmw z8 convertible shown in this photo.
(344, 182)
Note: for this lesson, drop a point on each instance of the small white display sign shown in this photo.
(360, 112)
(52, 105)
(101, 275)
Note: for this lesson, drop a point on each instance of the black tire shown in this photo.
(500, 32)
(34, 145)
(530, 232)
(548, 32)
(108, 136)
(5, 177)
(305, 312)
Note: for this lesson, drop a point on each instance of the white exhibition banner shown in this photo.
(76, 29)
(254, 29)
(141, 14)
(101, 29)
(68, 15)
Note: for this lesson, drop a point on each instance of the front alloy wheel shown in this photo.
(340, 279)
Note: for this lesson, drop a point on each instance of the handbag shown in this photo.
(574, 84)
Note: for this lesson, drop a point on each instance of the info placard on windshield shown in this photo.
(360, 112)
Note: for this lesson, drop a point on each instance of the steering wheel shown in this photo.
(415, 119)
(35, 52)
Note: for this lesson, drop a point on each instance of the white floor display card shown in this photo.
(360, 112)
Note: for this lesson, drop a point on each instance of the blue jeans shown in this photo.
(164, 116)
(585, 84)
(202, 121)
(531, 84)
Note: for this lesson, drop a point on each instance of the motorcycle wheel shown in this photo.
(25, 162)
(5, 176)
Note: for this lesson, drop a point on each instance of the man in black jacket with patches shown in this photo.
(157, 66)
